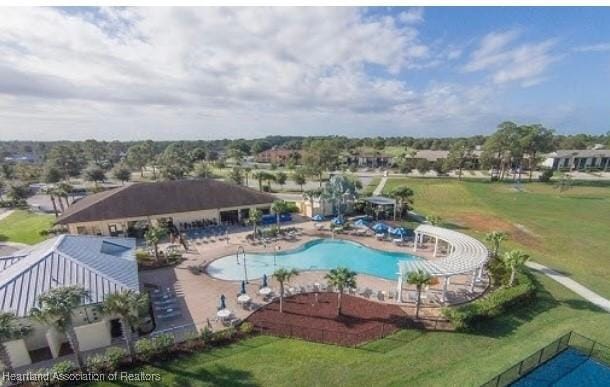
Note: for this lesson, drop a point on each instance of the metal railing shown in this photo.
(585, 345)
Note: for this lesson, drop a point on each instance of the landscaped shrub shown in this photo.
(246, 328)
(546, 175)
(148, 348)
(224, 336)
(491, 305)
(62, 367)
(144, 348)
(207, 334)
(106, 362)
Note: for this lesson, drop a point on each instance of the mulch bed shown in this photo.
(317, 320)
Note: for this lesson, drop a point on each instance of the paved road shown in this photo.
(574, 286)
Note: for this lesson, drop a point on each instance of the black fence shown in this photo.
(589, 347)
(343, 337)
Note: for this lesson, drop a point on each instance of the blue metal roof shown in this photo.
(102, 265)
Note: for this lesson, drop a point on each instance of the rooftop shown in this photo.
(168, 197)
(102, 265)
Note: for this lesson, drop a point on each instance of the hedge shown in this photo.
(465, 316)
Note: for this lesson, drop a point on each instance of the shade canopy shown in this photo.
(380, 200)
(242, 289)
(223, 303)
(317, 218)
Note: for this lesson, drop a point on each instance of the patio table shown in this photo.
(265, 291)
(223, 313)
(243, 299)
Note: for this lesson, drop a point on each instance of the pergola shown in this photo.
(466, 255)
(382, 201)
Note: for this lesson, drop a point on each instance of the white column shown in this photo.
(444, 294)
(473, 282)
(435, 246)
(399, 289)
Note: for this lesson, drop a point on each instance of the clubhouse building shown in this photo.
(127, 210)
(100, 265)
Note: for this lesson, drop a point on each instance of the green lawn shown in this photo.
(567, 231)
(24, 227)
(407, 358)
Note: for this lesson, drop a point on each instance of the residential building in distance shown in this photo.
(127, 210)
(583, 159)
(370, 160)
(279, 156)
(101, 265)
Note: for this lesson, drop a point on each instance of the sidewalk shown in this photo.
(572, 285)
(379, 188)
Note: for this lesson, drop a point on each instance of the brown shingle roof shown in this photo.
(144, 199)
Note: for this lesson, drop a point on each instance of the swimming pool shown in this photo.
(319, 254)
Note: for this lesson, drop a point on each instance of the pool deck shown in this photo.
(198, 293)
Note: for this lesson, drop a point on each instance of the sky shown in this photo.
(209, 73)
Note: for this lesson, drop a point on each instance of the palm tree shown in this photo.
(10, 329)
(341, 278)
(278, 207)
(254, 218)
(514, 260)
(127, 305)
(494, 239)
(51, 193)
(153, 236)
(418, 278)
(282, 275)
(55, 309)
(63, 191)
(260, 176)
(404, 195)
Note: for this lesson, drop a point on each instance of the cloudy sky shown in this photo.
(185, 73)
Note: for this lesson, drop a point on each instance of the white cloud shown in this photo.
(412, 16)
(507, 61)
(598, 47)
(237, 72)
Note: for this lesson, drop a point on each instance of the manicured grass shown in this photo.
(370, 187)
(407, 358)
(24, 227)
(567, 231)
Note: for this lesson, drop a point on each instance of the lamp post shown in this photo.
(276, 248)
(243, 251)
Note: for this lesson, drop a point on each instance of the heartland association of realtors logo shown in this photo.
(28, 377)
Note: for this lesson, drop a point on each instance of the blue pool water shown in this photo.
(319, 254)
(571, 368)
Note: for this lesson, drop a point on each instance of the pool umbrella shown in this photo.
(337, 221)
(380, 227)
(265, 280)
(223, 304)
(399, 231)
(243, 288)
(317, 218)
(360, 223)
